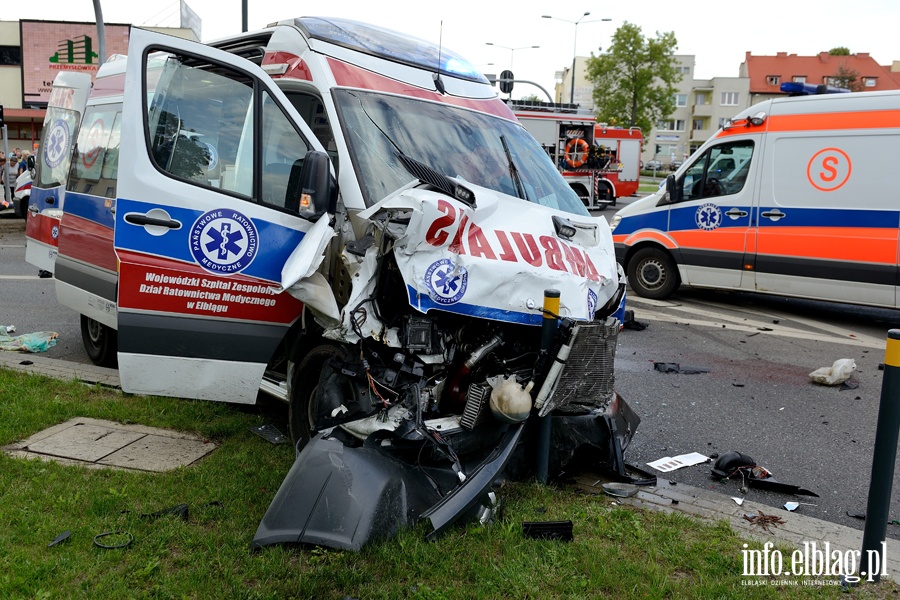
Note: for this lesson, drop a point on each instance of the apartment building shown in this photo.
(701, 107)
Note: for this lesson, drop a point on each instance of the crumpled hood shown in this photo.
(496, 260)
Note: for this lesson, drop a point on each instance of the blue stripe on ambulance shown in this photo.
(279, 241)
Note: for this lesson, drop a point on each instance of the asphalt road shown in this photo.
(756, 397)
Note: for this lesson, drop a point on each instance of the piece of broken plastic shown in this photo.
(40, 341)
(839, 372)
(548, 530)
(270, 433)
(620, 490)
(791, 506)
(60, 538)
(664, 367)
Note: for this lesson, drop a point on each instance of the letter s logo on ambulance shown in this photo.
(829, 169)
(446, 281)
(223, 241)
(57, 146)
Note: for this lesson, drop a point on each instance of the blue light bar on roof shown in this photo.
(390, 45)
(795, 88)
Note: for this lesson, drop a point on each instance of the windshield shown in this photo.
(454, 141)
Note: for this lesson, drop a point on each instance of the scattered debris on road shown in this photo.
(40, 341)
(664, 367)
(836, 374)
(765, 521)
(731, 464)
(630, 323)
(670, 463)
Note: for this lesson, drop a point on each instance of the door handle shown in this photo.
(736, 213)
(774, 214)
(143, 220)
(33, 209)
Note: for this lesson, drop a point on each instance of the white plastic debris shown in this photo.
(836, 374)
(738, 501)
(10, 328)
(791, 506)
(510, 402)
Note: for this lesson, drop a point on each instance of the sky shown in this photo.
(719, 38)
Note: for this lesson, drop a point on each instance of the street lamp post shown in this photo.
(511, 51)
(574, 45)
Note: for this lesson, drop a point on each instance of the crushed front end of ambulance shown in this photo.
(441, 358)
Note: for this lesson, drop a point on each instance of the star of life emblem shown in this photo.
(223, 241)
(446, 282)
(56, 148)
(708, 217)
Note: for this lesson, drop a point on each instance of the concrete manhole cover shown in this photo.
(99, 443)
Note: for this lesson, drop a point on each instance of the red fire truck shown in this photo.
(601, 163)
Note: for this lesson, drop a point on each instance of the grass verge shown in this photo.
(618, 551)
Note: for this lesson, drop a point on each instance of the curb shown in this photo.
(713, 507)
(60, 369)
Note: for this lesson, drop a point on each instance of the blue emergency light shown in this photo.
(795, 88)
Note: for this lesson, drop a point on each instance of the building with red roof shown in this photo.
(767, 73)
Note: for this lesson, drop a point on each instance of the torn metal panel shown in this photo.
(454, 257)
(300, 278)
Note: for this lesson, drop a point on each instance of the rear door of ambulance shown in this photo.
(64, 109)
(86, 270)
(200, 242)
(828, 221)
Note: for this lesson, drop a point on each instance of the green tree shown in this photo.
(847, 78)
(839, 51)
(634, 82)
(532, 98)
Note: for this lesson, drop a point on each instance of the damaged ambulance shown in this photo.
(348, 219)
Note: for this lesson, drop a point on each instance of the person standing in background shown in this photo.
(12, 172)
(4, 203)
(23, 164)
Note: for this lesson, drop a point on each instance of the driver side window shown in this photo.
(721, 170)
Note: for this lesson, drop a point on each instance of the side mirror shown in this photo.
(316, 190)
(671, 194)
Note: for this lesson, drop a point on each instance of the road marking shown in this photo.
(23, 277)
(710, 315)
(12, 245)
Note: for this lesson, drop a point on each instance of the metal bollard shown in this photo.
(884, 456)
(548, 331)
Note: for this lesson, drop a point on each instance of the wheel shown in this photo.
(23, 207)
(302, 389)
(652, 273)
(100, 342)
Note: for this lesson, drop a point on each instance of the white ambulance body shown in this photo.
(350, 220)
(796, 196)
(184, 212)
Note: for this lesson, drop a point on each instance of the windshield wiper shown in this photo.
(423, 172)
(521, 192)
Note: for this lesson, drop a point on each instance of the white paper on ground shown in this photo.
(670, 463)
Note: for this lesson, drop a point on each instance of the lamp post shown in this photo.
(575, 45)
(511, 51)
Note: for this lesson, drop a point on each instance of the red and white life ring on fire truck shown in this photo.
(577, 151)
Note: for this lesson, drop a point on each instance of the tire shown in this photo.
(23, 207)
(302, 387)
(100, 342)
(652, 273)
